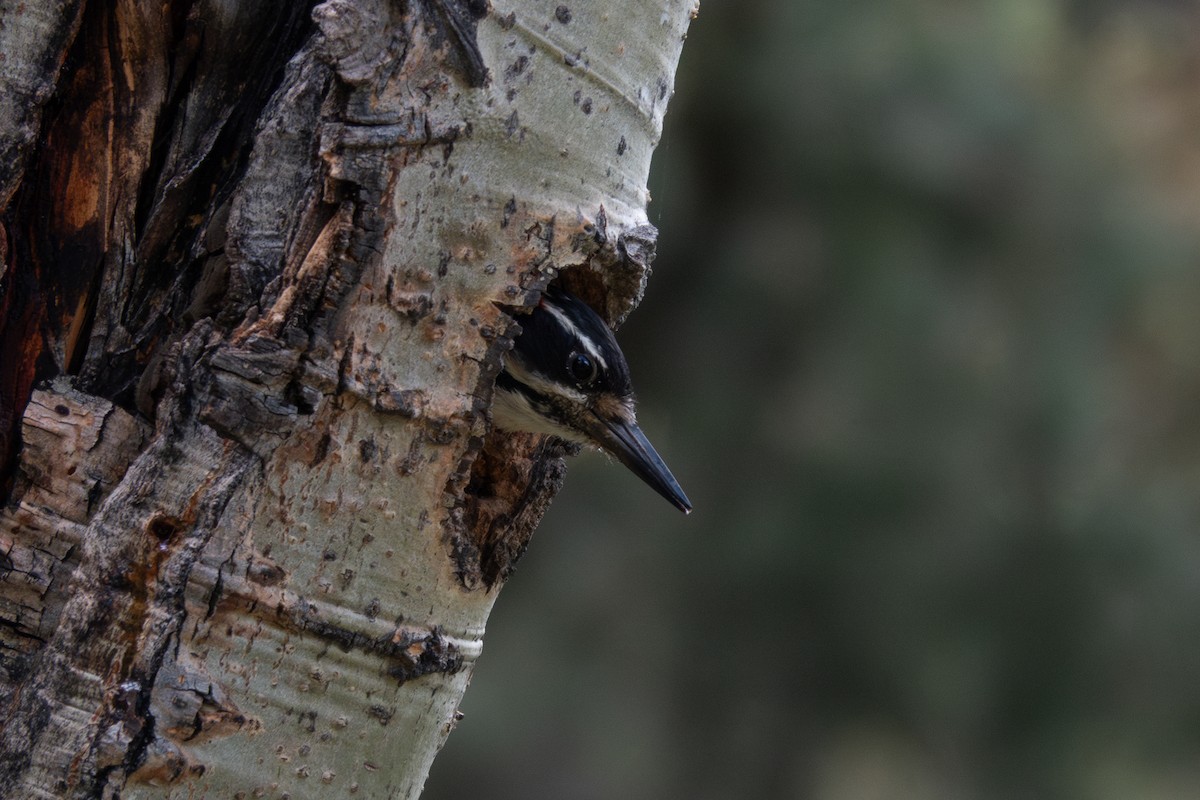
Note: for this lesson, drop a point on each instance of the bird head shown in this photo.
(566, 376)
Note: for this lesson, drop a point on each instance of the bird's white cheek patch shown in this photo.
(513, 412)
(541, 385)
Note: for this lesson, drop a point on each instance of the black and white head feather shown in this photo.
(566, 376)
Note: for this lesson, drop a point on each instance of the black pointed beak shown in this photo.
(626, 441)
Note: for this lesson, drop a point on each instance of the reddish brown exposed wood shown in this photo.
(21, 315)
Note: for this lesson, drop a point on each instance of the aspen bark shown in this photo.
(260, 264)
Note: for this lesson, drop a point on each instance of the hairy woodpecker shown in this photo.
(566, 376)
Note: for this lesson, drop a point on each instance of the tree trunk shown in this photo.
(260, 264)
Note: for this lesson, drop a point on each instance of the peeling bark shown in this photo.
(262, 262)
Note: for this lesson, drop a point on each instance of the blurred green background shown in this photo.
(923, 346)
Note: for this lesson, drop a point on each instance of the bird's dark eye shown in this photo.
(582, 368)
